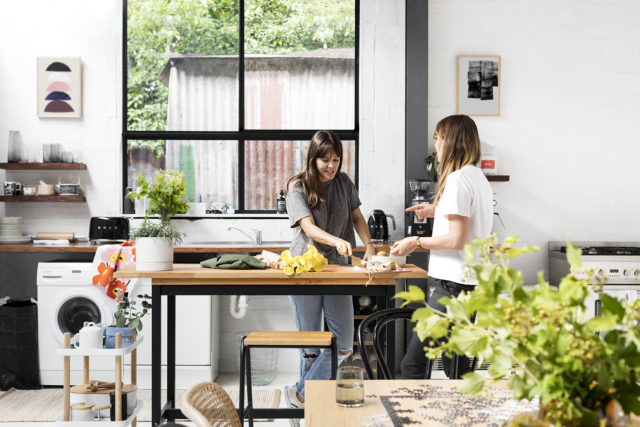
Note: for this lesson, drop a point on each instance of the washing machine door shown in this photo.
(72, 308)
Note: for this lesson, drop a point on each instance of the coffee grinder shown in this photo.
(420, 227)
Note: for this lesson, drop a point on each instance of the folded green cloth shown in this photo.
(234, 262)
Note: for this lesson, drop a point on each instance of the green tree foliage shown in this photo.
(538, 337)
(211, 27)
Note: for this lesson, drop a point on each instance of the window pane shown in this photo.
(183, 65)
(299, 64)
(210, 167)
(270, 164)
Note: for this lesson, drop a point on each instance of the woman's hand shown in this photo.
(404, 246)
(371, 251)
(424, 210)
(343, 247)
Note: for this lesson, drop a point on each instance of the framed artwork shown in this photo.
(59, 86)
(478, 85)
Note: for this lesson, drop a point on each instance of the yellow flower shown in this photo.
(286, 256)
(289, 271)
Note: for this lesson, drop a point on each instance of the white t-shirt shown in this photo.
(466, 193)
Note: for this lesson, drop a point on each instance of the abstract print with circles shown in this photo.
(59, 87)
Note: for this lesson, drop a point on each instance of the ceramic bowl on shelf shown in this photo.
(11, 220)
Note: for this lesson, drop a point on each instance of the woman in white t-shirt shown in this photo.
(463, 210)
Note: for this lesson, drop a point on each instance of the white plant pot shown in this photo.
(154, 254)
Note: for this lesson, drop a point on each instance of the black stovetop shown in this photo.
(606, 250)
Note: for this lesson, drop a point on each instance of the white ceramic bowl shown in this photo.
(11, 220)
(10, 227)
(401, 261)
(11, 233)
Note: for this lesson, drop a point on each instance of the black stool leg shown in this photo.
(427, 372)
(249, 392)
(241, 388)
(334, 358)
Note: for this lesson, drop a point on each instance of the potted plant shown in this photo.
(155, 241)
(432, 163)
(128, 319)
(539, 339)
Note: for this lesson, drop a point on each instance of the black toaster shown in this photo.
(106, 229)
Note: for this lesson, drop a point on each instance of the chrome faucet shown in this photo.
(257, 240)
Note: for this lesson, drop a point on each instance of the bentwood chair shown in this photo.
(208, 405)
(384, 317)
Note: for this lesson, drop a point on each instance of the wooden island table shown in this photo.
(190, 279)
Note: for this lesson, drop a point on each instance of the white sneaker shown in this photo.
(291, 399)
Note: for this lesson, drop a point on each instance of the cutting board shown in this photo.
(55, 236)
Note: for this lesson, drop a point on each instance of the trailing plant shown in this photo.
(128, 314)
(166, 195)
(539, 337)
(432, 162)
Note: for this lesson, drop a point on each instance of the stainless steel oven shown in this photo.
(619, 261)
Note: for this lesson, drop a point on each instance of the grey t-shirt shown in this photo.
(334, 215)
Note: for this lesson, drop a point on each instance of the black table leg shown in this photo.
(171, 351)
(391, 334)
(156, 356)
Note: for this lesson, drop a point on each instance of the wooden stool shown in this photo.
(271, 339)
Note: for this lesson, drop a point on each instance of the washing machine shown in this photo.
(67, 299)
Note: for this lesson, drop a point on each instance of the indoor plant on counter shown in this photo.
(540, 340)
(128, 319)
(155, 241)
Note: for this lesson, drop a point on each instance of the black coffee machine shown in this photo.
(378, 226)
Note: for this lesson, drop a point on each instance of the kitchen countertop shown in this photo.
(212, 247)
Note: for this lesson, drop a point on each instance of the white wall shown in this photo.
(567, 134)
(93, 32)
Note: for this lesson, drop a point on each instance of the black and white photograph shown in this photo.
(478, 85)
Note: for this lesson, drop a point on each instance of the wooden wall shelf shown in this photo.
(497, 178)
(72, 199)
(43, 166)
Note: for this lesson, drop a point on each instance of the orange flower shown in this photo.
(104, 276)
(131, 243)
(133, 251)
(116, 287)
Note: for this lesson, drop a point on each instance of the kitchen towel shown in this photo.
(108, 260)
(234, 262)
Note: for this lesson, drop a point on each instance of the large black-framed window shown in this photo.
(246, 137)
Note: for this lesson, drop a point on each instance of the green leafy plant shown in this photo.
(166, 195)
(539, 337)
(432, 162)
(128, 314)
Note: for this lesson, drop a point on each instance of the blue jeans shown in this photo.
(338, 312)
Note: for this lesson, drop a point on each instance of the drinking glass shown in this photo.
(67, 157)
(350, 387)
(46, 153)
(15, 146)
(32, 150)
(56, 153)
(77, 156)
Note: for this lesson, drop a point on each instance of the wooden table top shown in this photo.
(86, 247)
(193, 274)
(321, 410)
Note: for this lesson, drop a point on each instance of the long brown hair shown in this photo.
(460, 147)
(322, 143)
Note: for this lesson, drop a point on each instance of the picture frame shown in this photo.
(478, 85)
(59, 92)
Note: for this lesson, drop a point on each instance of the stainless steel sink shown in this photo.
(243, 244)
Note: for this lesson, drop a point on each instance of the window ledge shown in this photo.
(217, 216)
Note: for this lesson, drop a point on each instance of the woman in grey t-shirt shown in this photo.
(324, 208)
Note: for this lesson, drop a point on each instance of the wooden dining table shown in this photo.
(192, 279)
(401, 403)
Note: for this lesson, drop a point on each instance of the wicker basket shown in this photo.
(264, 362)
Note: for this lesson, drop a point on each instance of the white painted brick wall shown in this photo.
(567, 133)
(93, 32)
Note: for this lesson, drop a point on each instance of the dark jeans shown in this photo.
(414, 363)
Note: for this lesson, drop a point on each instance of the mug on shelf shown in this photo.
(13, 188)
(29, 191)
(68, 189)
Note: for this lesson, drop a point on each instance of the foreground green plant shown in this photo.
(539, 338)
(166, 195)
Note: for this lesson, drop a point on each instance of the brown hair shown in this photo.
(460, 147)
(322, 143)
